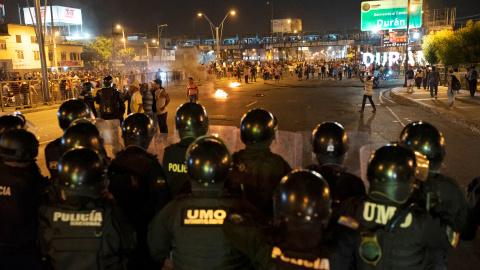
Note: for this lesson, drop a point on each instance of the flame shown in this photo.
(220, 94)
(235, 84)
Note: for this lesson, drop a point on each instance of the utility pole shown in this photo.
(159, 34)
(114, 65)
(41, 45)
(405, 65)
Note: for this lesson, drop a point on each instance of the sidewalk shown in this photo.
(465, 111)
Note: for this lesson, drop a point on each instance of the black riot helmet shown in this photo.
(330, 143)
(82, 133)
(257, 126)
(138, 129)
(108, 82)
(191, 117)
(87, 86)
(81, 172)
(71, 110)
(18, 145)
(9, 122)
(208, 161)
(427, 140)
(391, 173)
(302, 206)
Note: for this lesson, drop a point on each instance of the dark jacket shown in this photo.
(88, 235)
(255, 174)
(191, 226)
(175, 164)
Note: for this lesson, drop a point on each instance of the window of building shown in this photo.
(50, 55)
(19, 54)
(33, 39)
(73, 56)
(19, 39)
(63, 56)
(36, 55)
(3, 44)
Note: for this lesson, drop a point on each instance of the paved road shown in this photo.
(300, 106)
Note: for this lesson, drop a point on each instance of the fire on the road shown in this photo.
(235, 84)
(220, 94)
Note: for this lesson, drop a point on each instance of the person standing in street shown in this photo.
(136, 102)
(112, 105)
(453, 86)
(192, 91)
(147, 100)
(410, 80)
(246, 71)
(367, 93)
(472, 77)
(433, 79)
(162, 100)
(419, 78)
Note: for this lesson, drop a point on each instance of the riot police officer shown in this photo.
(191, 224)
(256, 170)
(21, 194)
(191, 121)
(440, 194)
(330, 144)
(393, 232)
(84, 231)
(112, 105)
(298, 239)
(67, 113)
(9, 122)
(137, 183)
(80, 133)
(83, 133)
(86, 96)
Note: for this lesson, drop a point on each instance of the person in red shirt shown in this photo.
(192, 91)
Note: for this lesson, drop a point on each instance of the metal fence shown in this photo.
(30, 93)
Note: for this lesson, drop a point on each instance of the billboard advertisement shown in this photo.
(286, 25)
(61, 14)
(390, 14)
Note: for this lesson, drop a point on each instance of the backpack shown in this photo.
(110, 101)
(455, 83)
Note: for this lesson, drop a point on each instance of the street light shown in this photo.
(217, 38)
(123, 39)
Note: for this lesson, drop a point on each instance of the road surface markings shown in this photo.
(398, 119)
(251, 103)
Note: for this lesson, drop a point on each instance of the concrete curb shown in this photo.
(475, 127)
(40, 108)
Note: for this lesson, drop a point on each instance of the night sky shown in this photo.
(252, 15)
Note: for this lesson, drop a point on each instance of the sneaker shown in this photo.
(374, 110)
(431, 97)
(435, 97)
(360, 111)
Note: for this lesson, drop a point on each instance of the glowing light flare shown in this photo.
(235, 84)
(220, 94)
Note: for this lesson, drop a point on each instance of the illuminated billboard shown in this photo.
(390, 14)
(64, 15)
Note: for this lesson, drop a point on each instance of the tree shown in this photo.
(127, 55)
(97, 51)
(470, 36)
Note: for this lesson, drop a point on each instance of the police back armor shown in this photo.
(175, 167)
(96, 236)
(111, 103)
(192, 226)
(393, 236)
(256, 173)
